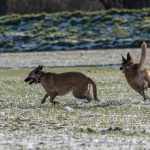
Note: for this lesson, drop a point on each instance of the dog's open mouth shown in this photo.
(30, 80)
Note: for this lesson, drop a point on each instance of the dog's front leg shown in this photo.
(52, 97)
(141, 91)
(144, 95)
(44, 99)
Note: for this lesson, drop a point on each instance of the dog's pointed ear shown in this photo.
(123, 59)
(36, 70)
(129, 56)
(40, 67)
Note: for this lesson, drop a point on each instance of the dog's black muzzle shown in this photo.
(30, 80)
(121, 68)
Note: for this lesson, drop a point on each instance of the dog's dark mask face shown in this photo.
(126, 63)
(34, 76)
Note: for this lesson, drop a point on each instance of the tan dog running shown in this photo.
(60, 84)
(136, 74)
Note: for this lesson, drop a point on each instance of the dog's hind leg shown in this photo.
(44, 99)
(82, 92)
(89, 99)
(88, 96)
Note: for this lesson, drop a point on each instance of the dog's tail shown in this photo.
(143, 55)
(94, 89)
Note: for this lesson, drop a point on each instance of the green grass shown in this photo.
(119, 120)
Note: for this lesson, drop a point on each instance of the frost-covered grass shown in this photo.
(101, 58)
(119, 121)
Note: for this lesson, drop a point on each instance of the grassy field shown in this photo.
(119, 121)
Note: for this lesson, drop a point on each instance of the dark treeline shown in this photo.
(37, 6)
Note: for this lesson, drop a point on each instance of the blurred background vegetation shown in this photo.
(38, 6)
(44, 25)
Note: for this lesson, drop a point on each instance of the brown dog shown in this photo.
(136, 74)
(60, 84)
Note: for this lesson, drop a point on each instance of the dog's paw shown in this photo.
(42, 102)
(55, 103)
(97, 99)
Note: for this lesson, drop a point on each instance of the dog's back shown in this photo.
(64, 82)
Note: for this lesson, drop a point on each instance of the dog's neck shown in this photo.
(41, 74)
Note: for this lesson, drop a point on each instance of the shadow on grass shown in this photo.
(73, 105)
(37, 106)
(95, 105)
